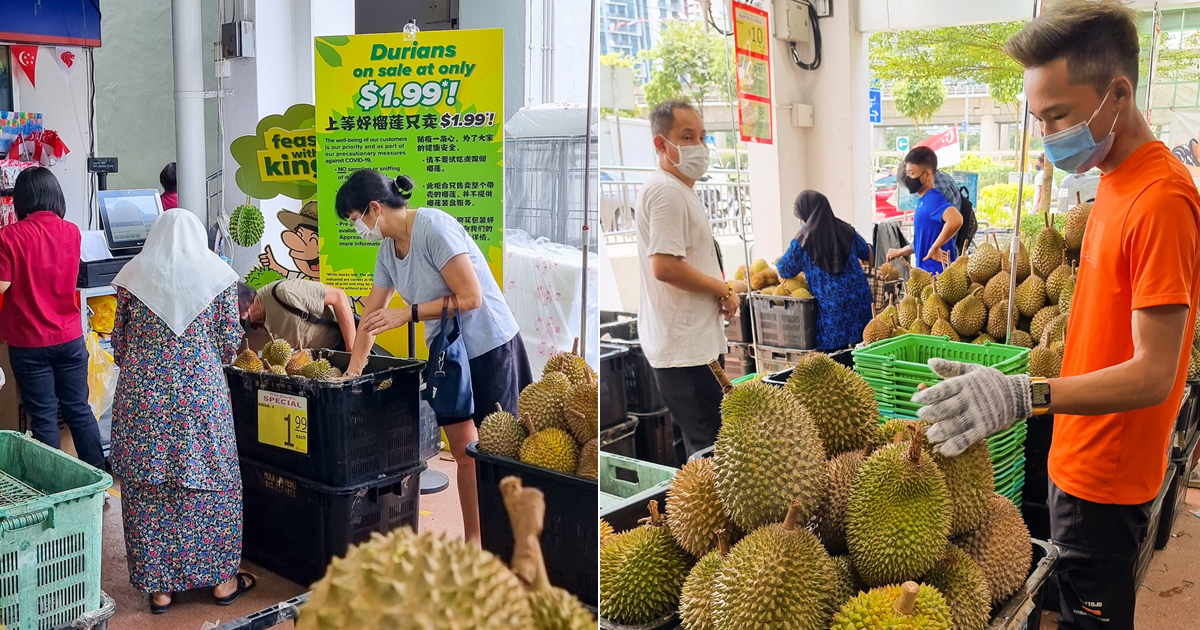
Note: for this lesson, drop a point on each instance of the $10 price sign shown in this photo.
(429, 106)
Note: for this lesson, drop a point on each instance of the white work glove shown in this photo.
(972, 403)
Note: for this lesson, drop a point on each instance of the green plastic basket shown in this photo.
(742, 379)
(625, 481)
(907, 355)
(51, 511)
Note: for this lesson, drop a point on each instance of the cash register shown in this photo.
(126, 217)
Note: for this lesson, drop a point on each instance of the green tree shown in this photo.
(689, 63)
(918, 99)
(974, 53)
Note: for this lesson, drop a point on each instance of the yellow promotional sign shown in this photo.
(291, 155)
(752, 49)
(283, 421)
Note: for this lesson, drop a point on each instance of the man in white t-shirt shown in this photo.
(683, 295)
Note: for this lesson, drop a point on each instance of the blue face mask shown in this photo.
(1073, 149)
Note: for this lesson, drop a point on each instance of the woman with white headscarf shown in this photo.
(173, 442)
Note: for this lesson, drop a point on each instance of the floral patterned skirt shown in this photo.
(178, 539)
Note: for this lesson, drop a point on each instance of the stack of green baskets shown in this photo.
(895, 367)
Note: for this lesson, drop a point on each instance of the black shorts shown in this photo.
(693, 396)
(497, 376)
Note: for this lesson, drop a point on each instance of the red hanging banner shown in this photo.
(752, 48)
(26, 57)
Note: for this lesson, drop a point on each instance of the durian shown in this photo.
(1042, 319)
(982, 339)
(409, 581)
(1031, 296)
(641, 573)
(582, 409)
(1001, 548)
(606, 531)
(908, 311)
(502, 434)
(764, 279)
(1044, 362)
(942, 328)
(953, 283)
(1023, 267)
(300, 359)
(984, 263)
(899, 514)
(278, 370)
(1048, 249)
(907, 606)
(840, 402)
(847, 582)
(888, 272)
(758, 266)
(552, 449)
(1056, 281)
(935, 306)
(996, 289)
(767, 450)
(1057, 329)
(918, 279)
(542, 404)
(970, 483)
(1021, 338)
(739, 286)
(778, 576)
(877, 330)
(969, 316)
(995, 325)
(694, 511)
(802, 293)
(277, 352)
(571, 364)
(966, 589)
(1066, 296)
(247, 360)
(1076, 224)
(831, 516)
(246, 225)
(589, 460)
(317, 370)
(695, 601)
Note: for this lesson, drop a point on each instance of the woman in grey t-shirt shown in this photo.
(425, 256)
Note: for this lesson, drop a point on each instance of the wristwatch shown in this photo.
(1039, 389)
(415, 317)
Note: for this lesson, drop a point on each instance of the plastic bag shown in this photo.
(102, 377)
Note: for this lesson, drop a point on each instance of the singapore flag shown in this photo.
(26, 57)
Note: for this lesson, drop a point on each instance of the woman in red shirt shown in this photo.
(166, 177)
(39, 263)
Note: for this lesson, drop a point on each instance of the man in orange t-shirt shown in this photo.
(1128, 339)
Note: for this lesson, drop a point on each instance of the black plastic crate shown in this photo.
(354, 430)
(739, 328)
(1185, 422)
(295, 527)
(641, 390)
(572, 528)
(1037, 517)
(1177, 493)
(612, 384)
(778, 379)
(785, 322)
(739, 361)
(620, 439)
(1024, 609)
(1039, 432)
(656, 438)
(1146, 547)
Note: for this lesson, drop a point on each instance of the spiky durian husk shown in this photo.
(502, 434)
(582, 410)
(963, 584)
(694, 511)
(589, 460)
(899, 495)
(606, 531)
(543, 403)
(556, 609)
(695, 601)
(839, 401)
(1048, 248)
(831, 515)
(984, 263)
(277, 352)
(767, 453)
(970, 482)
(407, 581)
(875, 610)
(247, 360)
(300, 360)
(847, 583)
(776, 578)
(552, 449)
(996, 289)
(575, 367)
(1001, 548)
(317, 370)
(641, 574)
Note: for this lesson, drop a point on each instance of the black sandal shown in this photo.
(245, 583)
(157, 609)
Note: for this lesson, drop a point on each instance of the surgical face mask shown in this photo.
(913, 184)
(371, 235)
(693, 159)
(1073, 149)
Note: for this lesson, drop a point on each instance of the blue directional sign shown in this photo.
(902, 143)
(876, 106)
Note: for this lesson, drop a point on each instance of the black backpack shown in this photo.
(966, 234)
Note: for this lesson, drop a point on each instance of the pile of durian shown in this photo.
(765, 279)
(409, 581)
(810, 515)
(1194, 362)
(278, 358)
(969, 300)
(557, 422)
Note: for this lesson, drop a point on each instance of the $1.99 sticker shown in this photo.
(283, 421)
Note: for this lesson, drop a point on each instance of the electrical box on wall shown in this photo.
(792, 22)
(237, 39)
(802, 115)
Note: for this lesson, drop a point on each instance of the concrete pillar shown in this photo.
(879, 138)
(1005, 139)
(989, 133)
(834, 155)
(188, 57)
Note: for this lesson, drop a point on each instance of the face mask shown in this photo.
(371, 235)
(693, 159)
(1073, 149)
(913, 184)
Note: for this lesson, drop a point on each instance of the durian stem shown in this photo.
(722, 378)
(575, 347)
(793, 515)
(906, 263)
(723, 542)
(526, 512)
(656, 517)
(906, 604)
(1078, 197)
(499, 409)
(914, 448)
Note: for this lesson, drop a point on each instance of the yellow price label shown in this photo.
(751, 31)
(283, 421)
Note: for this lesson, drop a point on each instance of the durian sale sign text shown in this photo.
(428, 105)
